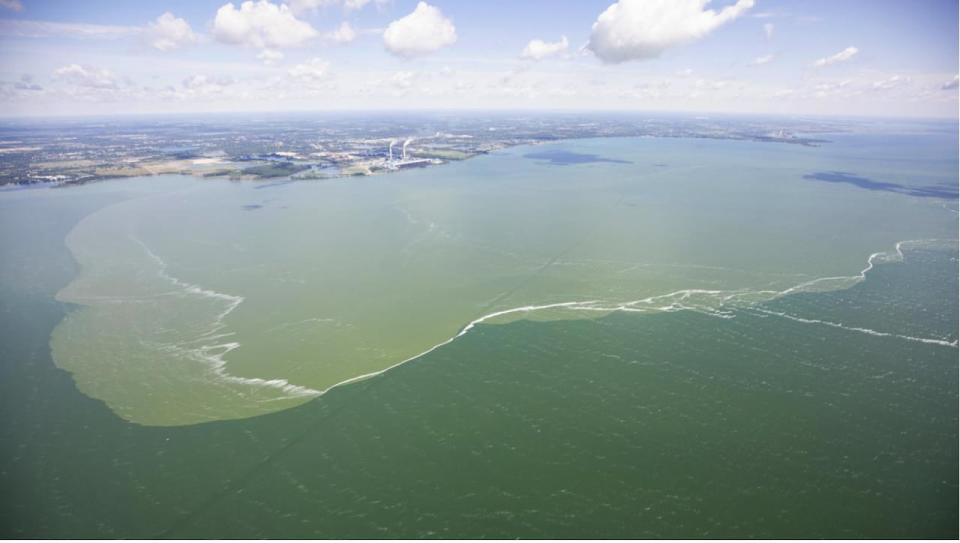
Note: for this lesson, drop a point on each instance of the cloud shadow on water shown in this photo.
(566, 158)
(936, 191)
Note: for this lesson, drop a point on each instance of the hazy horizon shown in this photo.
(477, 111)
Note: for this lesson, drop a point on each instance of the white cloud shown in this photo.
(539, 49)
(343, 34)
(829, 89)
(246, 86)
(760, 61)
(768, 30)
(403, 80)
(270, 56)
(890, 82)
(87, 77)
(168, 32)
(842, 56)
(198, 87)
(423, 31)
(642, 29)
(952, 84)
(13, 5)
(201, 85)
(313, 70)
(261, 24)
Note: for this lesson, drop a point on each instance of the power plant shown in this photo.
(405, 161)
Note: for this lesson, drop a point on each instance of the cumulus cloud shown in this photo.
(88, 77)
(760, 61)
(261, 24)
(423, 31)
(168, 32)
(313, 70)
(642, 29)
(539, 49)
(768, 30)
(343, 34)
(12, 5)
(842, 56)
(952, 84)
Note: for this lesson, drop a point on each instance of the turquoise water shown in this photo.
(827, 411)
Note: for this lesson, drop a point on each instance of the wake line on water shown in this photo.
(213, 354)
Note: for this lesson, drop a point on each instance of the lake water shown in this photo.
(624, 337)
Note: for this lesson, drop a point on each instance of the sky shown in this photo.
(811, 57)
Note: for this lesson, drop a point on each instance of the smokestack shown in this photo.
(390, 150)
(405, 143)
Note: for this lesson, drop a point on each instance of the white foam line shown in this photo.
(930, 341)
(208, 353)
(898, 257)
(591, 305)
(464, 330)
(683, 294)
(232, 301)
(859, 277)
(898, 248)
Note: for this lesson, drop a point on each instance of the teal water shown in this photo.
(827, 412)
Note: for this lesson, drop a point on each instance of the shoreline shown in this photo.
(238, 176)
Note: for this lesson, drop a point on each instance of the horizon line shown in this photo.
(467, 110)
